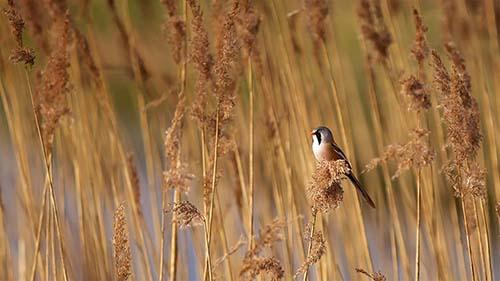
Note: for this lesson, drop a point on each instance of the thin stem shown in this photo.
(481, 246)
(177, 195)
(212, 198)
(250, 157)
(39, 232)
(49, 175)
(486, 237)
(417, 246)
(311, 234)
(469, 248)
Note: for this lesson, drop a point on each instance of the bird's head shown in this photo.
(322, 134)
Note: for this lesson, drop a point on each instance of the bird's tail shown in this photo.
(361, 190)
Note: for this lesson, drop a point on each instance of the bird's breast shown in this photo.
(323, 151)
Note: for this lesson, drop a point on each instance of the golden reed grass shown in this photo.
(128, 155)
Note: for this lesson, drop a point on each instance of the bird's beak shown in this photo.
(313, 132)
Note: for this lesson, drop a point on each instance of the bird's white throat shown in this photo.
(316, 147)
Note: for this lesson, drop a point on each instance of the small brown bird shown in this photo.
(325, 148)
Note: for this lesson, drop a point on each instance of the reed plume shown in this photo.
(318, 249)
(254, 264)
(420, 49)
(414, 90)
(175, 30)
(186, 214)
(122, 254)
(373, 28)
(416, 153)
(50, 95)
(324, 189)
(20, 54)
(376, 276)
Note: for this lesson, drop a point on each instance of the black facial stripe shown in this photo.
(318, 135)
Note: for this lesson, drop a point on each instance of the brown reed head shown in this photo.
(318, 249)
(317, 11)
(420, 50)
(414, 90)
(376, 276)
(122, 255)
(416, 153)
(19, 54)
(324, 189)
(460, 109)
(186, 214)
(373, 28)
(254, 264)
(50, 95)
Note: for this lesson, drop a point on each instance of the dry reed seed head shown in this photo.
(373, 28)
(459, 63)
(170, 6)
(50, 96)
(469, 180)
(19, 54)
(208, 180)
(376, 276)
(34, 22)
(253, 264)
(317, 11)
(249, 22)
(420, 50)
(85, 56)
(202, 61)
(16, 22)
(200, 55)
(318, 249)
(186, 214)
(324, 189)
(23, 55)
(177, 177)
(175, 30)
(442, 79)
(271, 233)
(460, 109)
(414, 90)
(174, 133)
(226, 143)
(122, 254)
(461, 112)
(416, 153)
(227, 53)
(475, 180)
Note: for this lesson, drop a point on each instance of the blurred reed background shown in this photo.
(169, 140)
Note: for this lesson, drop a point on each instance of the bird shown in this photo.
(325, 148)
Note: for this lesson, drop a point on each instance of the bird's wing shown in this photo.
(350, 175)
(340, 154)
